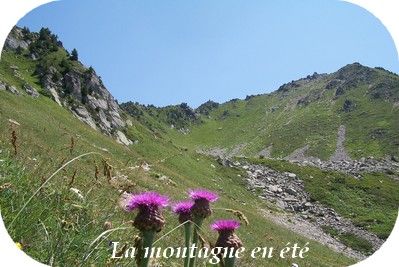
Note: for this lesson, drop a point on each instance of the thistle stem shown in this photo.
(148, 239)
(229, 261)
(187, 242)
(198, 223)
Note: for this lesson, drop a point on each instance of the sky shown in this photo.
(166, 52)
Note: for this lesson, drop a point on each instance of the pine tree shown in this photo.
(74, 54)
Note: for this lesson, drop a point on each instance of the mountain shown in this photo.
(54, 109)
(66, 80)
(356, 106)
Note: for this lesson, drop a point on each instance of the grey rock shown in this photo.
(296, 200)
(73, 85)
(12, 89)
(31, 91)
(16, 39)
(3, 86)
(122, 139)
(275, 189)
(82, 114)
(291, 191)
(340, 152)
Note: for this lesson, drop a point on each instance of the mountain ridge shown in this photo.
(319, 99)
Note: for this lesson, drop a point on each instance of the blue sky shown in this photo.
(167, 52)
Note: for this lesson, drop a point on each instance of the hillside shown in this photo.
(53, 108)
(306, 115)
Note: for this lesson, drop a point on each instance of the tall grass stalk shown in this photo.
(107, 233)
(148, 239)
(197, 226)
(48, 180)
(187, 242)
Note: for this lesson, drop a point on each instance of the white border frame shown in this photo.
(11, 11)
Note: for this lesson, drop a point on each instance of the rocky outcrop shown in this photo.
(83, 114)
(69, 83)
(16, 39)
(122, 139)
(86, 96)
(30, 90)
(287, 191)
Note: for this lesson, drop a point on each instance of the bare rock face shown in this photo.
(73, 86)
(122, 139)
(82, 114)
(52, 85)
(85, 95)
(31, 91)
(16, 39)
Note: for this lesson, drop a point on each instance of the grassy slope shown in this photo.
(275, 119)
(56, 226)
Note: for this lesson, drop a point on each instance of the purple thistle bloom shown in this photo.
(149, 216)
(202, 198)
(225, 225)
(203, 194)
(227, 238)
(145, 200)
(183, 207)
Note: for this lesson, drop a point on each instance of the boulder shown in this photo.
(12, 89)
(31, 91)
(122, 139)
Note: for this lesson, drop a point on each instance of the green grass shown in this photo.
(350, 240)
(57, 227)
(43, 144)
(278, 120)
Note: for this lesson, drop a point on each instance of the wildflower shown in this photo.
(227, 238)
(19, 245)
(149, 217)
(183, 209)
(202, 199)
(200, 210)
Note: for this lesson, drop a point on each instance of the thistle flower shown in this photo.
(227, 238)
(200, 210)
(183, 209)
(225, 225)
(201, 199)
(149, 204)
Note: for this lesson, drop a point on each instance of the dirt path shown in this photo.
(302, 227)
